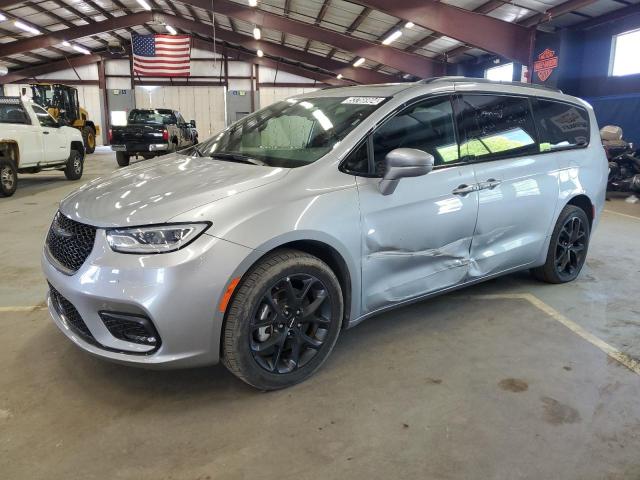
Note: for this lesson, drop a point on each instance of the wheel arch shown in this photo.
(12, 147)
(78, 146)
(583, 202)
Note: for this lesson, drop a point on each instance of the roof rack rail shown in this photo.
(485, 80)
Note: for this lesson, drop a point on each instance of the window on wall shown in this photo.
(625, 59)
(502, 73)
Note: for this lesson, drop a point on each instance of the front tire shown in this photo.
(568, 247)
(8, 178)
(75, 166)
(122, 158)
(283, 321)
(89, 139)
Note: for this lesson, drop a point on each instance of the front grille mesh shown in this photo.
(70, 242)
(71, 316)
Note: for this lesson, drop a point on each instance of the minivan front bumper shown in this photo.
(177, 292)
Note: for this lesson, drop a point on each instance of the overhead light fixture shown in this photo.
(66, 44)
(359, 62)
(339, 76)
(171, 30)
(26, 28)
(144, 4)
(80, 49)
(392, 37)
(253, 3)
(260, 53)
(409, 25)
(257, 33)
(2, 18)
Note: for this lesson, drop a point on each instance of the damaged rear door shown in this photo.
(417, 239)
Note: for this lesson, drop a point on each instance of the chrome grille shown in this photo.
(69, 242)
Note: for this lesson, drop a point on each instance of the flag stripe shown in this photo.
(161, 55)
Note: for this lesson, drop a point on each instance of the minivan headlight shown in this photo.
(154, 239)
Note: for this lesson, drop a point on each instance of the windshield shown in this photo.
(152, 117)
(292, 133)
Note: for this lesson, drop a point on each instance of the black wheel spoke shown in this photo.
(571, 246)
(290, 324)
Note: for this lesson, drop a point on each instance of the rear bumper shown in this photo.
(141, 147)
(178, 292)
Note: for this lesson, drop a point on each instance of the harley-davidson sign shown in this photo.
(546, 64)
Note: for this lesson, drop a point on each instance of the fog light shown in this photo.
(130, 327)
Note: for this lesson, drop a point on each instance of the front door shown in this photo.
(56, 148)
(417, 239)
(518, 186)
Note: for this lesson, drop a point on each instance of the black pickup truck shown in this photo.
(151, 133)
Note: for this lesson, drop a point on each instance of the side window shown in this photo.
(427, 126)
(561, 125)
(494, 126)
(357, 162)
(44, 118)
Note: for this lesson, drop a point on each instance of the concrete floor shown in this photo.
(476, 384)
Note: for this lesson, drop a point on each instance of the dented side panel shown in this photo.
(417, 239)
(515, 217)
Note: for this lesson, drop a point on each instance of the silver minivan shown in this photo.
(257, 246)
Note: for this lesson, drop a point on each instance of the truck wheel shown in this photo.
(122, 158)
(8, 178)
(89, 139)
(75, 166)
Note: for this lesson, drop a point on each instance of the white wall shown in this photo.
(269, 95)
(205, 105)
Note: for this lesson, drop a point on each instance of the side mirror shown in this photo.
(401, 163)
(193, 123)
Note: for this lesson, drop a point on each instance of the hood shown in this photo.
(157, 190)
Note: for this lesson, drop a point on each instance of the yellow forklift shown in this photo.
(61, 101)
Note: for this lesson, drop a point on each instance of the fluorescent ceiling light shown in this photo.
(256, 33)
(80, 49)
(339, 76)
(171, 30)
(66, 44)
(253, 3)
(409, 25)
(144, 4)
(26, 28)
(260, 53)
(358, 62)
(2, 18)
(392, 37)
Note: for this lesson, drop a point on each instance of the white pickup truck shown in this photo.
(31, 140)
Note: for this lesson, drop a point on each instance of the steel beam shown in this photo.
(563, 8)
(31, 72)
(360, 75)
(497, 36)
(417, 65)
(68, 34)
(608, 17)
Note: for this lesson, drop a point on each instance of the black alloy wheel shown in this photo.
(571, 247)
(290, 324)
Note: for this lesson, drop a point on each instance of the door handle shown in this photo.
(490, 184)
(45, 133)
(464, 189)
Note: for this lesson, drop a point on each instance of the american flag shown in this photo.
(161, 55)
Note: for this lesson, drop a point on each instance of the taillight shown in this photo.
(165, 135)
(110, 135)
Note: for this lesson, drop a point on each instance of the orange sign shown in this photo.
(546, 64)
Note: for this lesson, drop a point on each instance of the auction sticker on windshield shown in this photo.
(364, 100)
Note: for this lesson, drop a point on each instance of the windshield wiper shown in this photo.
(237, 157)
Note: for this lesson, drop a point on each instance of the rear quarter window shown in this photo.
(561, 125)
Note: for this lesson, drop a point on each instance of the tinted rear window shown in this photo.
(561, 125)
(12, 114)
(152, 117)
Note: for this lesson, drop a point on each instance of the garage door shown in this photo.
(269, 95)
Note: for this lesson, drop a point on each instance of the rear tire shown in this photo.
(8, 178)
(75, 166)
(283, 320)
(122, 158)
(89, 139)
(567, 249)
